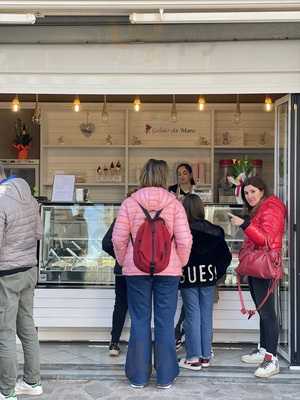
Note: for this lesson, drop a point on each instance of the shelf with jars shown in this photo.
(131, 138)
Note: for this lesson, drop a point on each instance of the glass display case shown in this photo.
(218, 214)
(71, 249)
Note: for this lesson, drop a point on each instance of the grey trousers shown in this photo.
(16, 317)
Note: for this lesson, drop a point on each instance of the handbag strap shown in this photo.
(251, 312)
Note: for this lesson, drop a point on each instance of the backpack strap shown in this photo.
(251, 312)
(147, 214)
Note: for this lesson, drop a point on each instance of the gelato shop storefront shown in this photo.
(271, 140)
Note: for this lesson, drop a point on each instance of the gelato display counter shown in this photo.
(75, 295)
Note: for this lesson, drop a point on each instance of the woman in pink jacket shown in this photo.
(143, 288)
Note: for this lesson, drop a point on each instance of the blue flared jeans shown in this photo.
(141, 291)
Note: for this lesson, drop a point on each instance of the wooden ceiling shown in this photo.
(181, 98)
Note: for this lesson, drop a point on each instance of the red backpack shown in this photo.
(152, 245)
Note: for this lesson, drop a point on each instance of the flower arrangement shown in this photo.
(22, 140)
(241, 169)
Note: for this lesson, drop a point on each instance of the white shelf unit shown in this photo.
(205, 137)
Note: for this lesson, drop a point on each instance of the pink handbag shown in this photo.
(262, 263)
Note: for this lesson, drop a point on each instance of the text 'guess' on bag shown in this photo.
(262, 263)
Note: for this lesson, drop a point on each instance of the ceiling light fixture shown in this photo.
(76, 104)
(214, 17)
(15, 104)
(237, 114)
(268, 106)
(104, 113)
(36, 118)
(201, 103)
(174, 115)
(137, 104)
(17, 19)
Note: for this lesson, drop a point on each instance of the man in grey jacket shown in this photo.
(20, 228)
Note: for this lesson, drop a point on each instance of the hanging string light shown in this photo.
(76, 104)
(36, 118)
(201, 103)
(268, 106)
(137, 104)
(237, 114)
(104, 113)
(174, 110)
(15, 104)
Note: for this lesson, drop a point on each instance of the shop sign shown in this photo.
(165, 130)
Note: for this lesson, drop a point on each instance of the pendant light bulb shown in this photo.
(268, 106)
(15, 104)
(137, 104)
(36, 118)
(104, 113)
(174, 110)
(237, 114)
(76, 104)
(201, 103)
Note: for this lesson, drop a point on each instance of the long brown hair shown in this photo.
(189, 170)
(194, 207)
(258, 183)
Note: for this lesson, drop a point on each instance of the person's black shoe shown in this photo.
(114, 349)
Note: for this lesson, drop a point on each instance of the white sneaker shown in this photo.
(193, 365)
(11, 396)
(269, 367)
(256, 357)
(32, 390)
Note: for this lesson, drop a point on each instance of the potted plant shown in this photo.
(22, 140)
(241, 169)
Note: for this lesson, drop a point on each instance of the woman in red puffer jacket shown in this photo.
(265, 224)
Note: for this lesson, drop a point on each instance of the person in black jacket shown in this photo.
(121, 306)
(208, 262)
(183, 187)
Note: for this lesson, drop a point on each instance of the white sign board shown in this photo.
(63, 188)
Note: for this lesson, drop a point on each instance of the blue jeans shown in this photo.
(140, 290)
(198, 306)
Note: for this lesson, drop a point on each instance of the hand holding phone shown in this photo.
(235, 220)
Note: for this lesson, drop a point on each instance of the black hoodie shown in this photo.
(107, 246)
(209, 258)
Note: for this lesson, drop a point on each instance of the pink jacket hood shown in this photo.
(154, 199)
(131, 217)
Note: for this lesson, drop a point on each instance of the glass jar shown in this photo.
(257, 166)
(225, 189)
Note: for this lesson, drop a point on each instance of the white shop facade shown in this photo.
(218, 68)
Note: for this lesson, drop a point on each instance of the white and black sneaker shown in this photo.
(114, 349)
(269, 367)
(255, 357)
(27, 389)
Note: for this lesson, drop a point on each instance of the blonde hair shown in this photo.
(2, 172)
(154, 173)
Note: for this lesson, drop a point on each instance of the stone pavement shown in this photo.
(84, 371)
(184, 389)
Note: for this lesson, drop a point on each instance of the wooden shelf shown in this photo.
(168, 147)
(78, 146)
(94, 184)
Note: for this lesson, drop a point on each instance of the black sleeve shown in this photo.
(246, 222)
(107, 244)
(224, 258)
